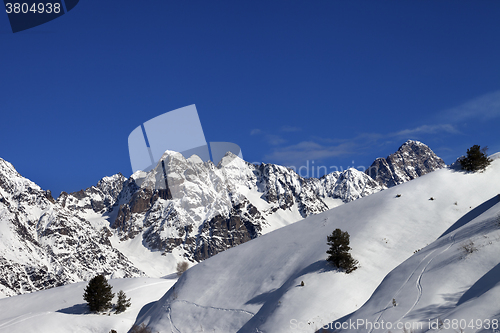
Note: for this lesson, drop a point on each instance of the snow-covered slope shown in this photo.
(63, 310)
(256, 287)
(183, 209)
(450, 284)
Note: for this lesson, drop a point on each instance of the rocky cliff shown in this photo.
(183, 209)
(413, 159)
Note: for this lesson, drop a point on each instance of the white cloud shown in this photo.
(274, 140)
(447, 122)
(297, 154)
(290, 129)
(427, 129)
(255, 131)
(482, 108)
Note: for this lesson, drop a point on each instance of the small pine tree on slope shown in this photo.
(339, 251)
(123, 303)
(98, 294)
(476, 159)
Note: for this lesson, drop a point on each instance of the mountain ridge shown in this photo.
(199, 211)
(281, 281)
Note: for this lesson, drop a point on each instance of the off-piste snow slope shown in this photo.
(63, 310)
(451, 285)
(146, 224)
(256, 286)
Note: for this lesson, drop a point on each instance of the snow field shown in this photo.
(263, 276)
(63, 310)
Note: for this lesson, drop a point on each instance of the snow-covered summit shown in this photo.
(413, 159)
(183, 209)
(44, 243)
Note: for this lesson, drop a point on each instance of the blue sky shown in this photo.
(335, 82)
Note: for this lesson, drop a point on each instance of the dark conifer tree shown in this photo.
(98, 294)
(476, 159)
(339, 251)
(123, 303)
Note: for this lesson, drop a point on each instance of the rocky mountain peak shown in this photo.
(413, 159)
(183, 209)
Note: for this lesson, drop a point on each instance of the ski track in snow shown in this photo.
(389, 304)
(214, 308)
(417, 284)
(21, 318)
(169, 312)
(144, 286)
(419, 279)
(176, 330)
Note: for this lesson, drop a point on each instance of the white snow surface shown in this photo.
(451, 284)
(207, 209)
(63, 310)
(256, 286)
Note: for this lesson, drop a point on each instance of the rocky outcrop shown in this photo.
(99, 198)
(183, 208)
(348, 185)
(45, 243)
(413, 159)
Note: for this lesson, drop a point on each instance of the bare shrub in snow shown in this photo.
(469, 247)
(182, 267)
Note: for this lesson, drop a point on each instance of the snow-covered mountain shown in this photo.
(438, 236)
(412, 160)
(206, 209)
(183, 209)
(44, 244)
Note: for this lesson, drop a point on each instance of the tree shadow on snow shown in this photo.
(77, 309)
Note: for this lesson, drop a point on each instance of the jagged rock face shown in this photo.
(349, 185)
(211, 207)
(205, 214)
(98, 198)
(283, 188)
(222, 233)
(185, 208)
(44, 244)
(413, 159)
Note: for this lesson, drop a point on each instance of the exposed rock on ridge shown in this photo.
(198, 211)
(44, 244)
(413, 159)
